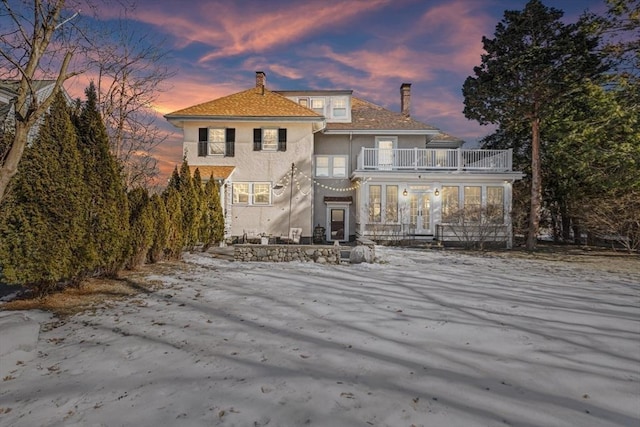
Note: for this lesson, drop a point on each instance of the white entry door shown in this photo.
(420, 213)
(385, 154)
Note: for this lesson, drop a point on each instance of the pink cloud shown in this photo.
(392, 63)
(233, 29)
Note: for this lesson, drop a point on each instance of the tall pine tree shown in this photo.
(43, 229)
(141, 227)
(161, 229)
(533, 61)
(107, 210)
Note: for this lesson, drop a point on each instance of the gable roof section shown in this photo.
(256, 102)
(366, 116)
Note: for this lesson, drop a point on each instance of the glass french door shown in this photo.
(420, 213)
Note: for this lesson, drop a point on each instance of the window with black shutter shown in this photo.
(257, 139)
(203, 138)
(230, 138)
(269, 139)
(282, 139)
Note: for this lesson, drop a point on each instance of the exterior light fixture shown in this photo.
(405, 192)
(436, 193)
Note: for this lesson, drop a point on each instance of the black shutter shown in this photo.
(282, 139)
(257, 139)
(230, 142)
(203, 134)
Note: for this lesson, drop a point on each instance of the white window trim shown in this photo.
(251, 201)
(383, 203)
(330, 167)
(210, 143)
(393, 139)
(338, 205)
(345, 107)
(324, 104)
(275, 145)
(483, 197)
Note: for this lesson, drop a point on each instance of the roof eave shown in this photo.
(381, 131)
(192, 118)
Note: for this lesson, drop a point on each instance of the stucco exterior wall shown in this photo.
(264, 166)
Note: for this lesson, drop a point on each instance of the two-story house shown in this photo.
(325, 159)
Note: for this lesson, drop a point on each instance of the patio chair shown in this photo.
(294, 235)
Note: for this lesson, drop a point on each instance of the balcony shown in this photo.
(430, 159)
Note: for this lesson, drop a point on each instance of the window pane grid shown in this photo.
(248, 193)
(375, 204)
(270, 139)
(495, 204)
(331, 166)
(449, 203)
(391, 211)
(472, 204)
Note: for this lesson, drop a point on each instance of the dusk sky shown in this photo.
(369, 46)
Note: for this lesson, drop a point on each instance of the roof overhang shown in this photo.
(453, 176)
(381, 131)
(178, 121)
(221, 173)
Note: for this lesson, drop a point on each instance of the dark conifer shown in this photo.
(190, 206)
(141, 223)
(161, 229)
(175, 237)
(42, 221)
(107, 211)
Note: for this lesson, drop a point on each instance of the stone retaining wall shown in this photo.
(284, 253)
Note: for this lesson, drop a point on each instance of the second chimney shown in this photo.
(261, 79)
(405, 99)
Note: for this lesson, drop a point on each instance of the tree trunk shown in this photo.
(10, 165)
(536, 186)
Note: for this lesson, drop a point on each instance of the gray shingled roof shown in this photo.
(368, 116)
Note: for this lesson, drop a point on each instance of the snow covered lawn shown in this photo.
(425, 338)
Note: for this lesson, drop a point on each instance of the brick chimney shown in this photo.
(405, 99)
(261, 79)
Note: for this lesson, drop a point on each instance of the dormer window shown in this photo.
(339, 107)
(317, 105)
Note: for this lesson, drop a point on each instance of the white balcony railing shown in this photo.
(432, 159)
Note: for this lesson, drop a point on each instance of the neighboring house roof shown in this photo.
(366, 116)
(256, 102)
(218, 172)
(444, 138)
(8, 96)
(13, 85)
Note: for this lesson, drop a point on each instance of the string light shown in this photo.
(280, 187)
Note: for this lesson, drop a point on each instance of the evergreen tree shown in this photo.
(43, 231)
(174, 180)
(107, 210)
(175, 237)
(161, 229)
(533, 62)
(141, 223)
(190, 206)
(207, 223)
(215, 210)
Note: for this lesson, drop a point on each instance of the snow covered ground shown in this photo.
(424, 338)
